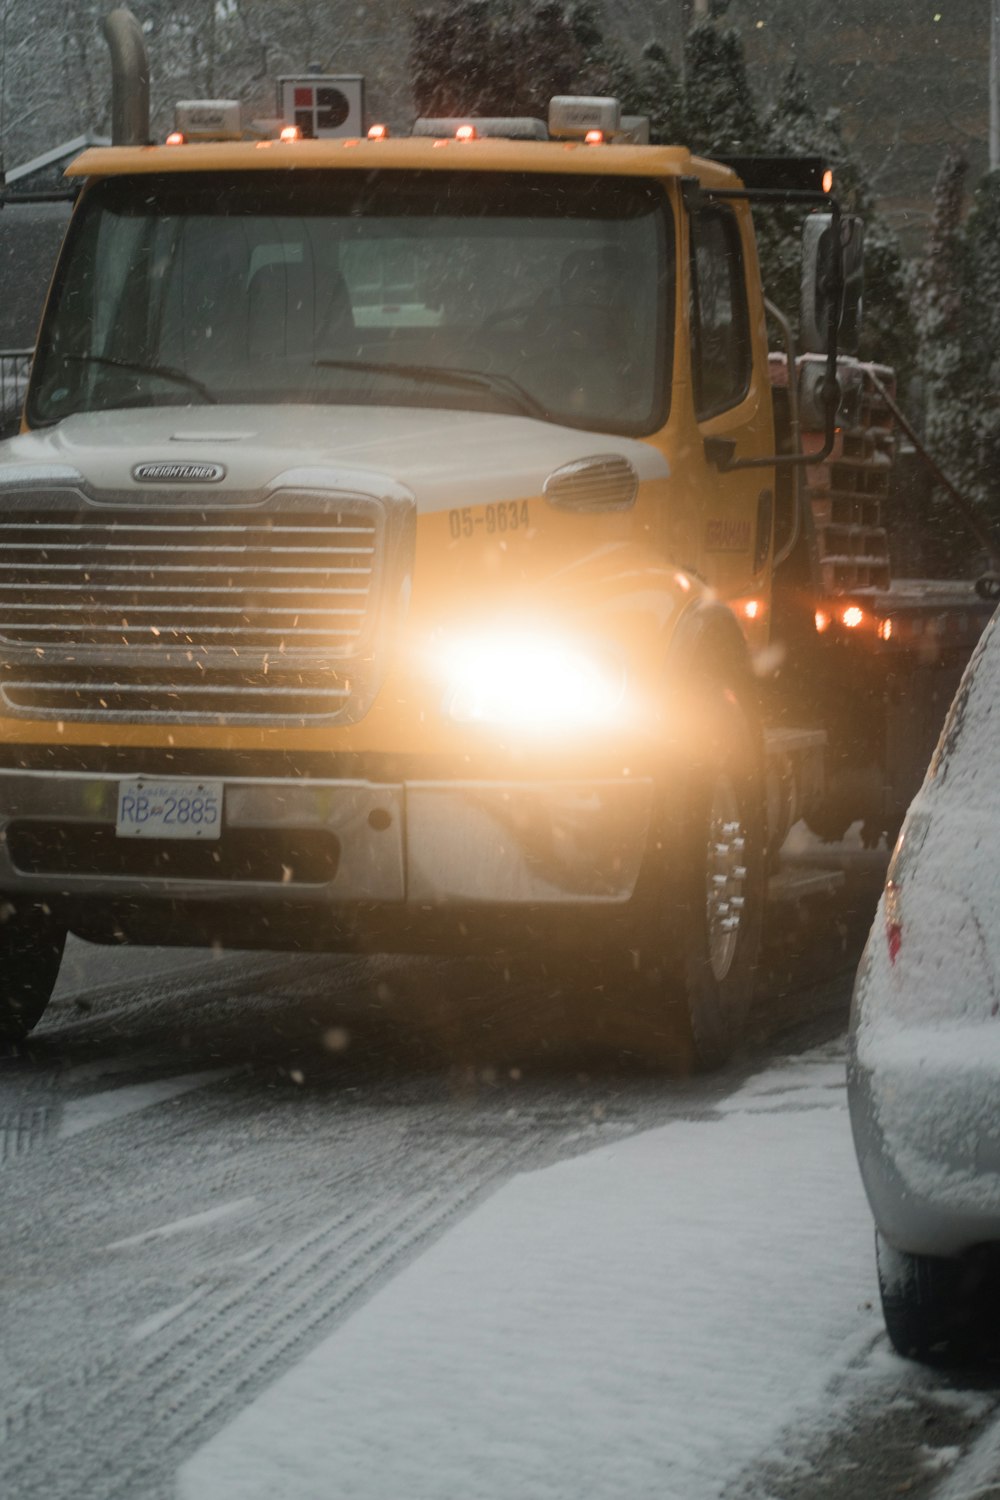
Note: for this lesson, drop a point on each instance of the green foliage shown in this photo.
(957, 295)
(719, 110)
(511, 57)
(659, 95)
(471, 57)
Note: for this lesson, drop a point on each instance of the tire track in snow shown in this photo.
(23, 1130)
(155, 1402)
(118, 1415)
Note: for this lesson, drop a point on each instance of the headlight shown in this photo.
(533, 685)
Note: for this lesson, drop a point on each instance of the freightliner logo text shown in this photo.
(174, 473)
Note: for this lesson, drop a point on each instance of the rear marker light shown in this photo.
(378, 132)
(822, 621)
(828, 181)
(594, 138)
(893, 920)
(175, 138)
(894, 937)
(290, 133)
(465, 133)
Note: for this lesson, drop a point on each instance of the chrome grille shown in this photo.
(234, 613)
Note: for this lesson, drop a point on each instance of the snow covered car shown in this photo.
(924, 1047)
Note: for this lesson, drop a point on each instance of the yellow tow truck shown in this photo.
(387, 556)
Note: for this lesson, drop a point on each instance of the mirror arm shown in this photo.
(791, 358)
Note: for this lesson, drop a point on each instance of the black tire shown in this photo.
(931, 1306)
(704, 886)
(31, 949)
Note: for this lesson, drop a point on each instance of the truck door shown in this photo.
(732, 407)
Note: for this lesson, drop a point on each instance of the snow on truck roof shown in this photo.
(443, 154)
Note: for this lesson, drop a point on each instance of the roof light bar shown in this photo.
(378, 132)
(465, 133)
(289, 133)
(175, 138)
(516, 128)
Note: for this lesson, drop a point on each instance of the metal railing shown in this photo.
(15, 367)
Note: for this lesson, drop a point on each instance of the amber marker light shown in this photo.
(828, 181)
(465, 133)
(594, 138)
(175, 138)
(290, 133)
(378, 132)
(822, 621)
(753, 609)
(885, 630)
(852, 616)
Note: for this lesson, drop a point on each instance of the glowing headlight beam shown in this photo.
(532, 686)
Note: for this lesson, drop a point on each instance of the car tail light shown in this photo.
(893, 919)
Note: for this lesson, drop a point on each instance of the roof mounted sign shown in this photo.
(323, 105)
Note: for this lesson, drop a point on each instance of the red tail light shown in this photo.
(893, 920)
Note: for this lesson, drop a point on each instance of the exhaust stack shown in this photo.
(129, 79)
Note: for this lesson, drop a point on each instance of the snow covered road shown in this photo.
(642, 1320)
(328, 1228)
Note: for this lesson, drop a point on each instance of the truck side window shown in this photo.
(720, 320)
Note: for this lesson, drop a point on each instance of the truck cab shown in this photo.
(387, 560)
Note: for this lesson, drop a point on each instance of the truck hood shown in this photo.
(443, 459)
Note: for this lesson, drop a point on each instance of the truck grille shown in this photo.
(230, 614)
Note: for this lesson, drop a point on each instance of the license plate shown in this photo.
(169, 810)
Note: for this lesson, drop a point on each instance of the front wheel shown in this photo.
(931, 1305)
(704, 888)
(31, 949)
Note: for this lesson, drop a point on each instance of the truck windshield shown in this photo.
(543, 294)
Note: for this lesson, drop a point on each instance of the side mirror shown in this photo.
(819, 305)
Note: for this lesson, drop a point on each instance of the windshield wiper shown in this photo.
(504, 385)
(164, 372)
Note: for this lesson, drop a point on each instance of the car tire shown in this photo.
(705, 883)
(31, 949)
(931, 1304)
